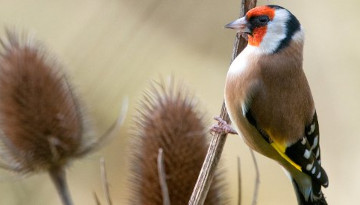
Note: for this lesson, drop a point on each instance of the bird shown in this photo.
(269, 101)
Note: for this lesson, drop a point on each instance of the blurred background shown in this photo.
(113, 48)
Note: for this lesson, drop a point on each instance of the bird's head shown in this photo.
(269, 27)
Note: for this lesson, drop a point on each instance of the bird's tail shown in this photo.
(314, 199)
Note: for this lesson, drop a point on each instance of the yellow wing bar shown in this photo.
(280, 148)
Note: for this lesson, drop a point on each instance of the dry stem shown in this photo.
(257, 178)
(105, 182)
(93, 146)
(58, 177)
(239, 181)
(162, 178)
(218, 141)
(97, 201)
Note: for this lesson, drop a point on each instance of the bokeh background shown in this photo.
(113, 48)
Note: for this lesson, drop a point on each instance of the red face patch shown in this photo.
(260, 11)
(259, 32)
(257, 36)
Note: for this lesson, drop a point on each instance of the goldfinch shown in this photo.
(269, 101)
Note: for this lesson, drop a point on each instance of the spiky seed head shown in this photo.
(168, 119)
(40, 120)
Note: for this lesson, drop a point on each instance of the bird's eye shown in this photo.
(259, 21)
(263, 19)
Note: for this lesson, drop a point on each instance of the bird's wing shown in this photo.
(303, 154)
(306, 153)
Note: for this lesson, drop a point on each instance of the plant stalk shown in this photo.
(58, 177)
(217, 143)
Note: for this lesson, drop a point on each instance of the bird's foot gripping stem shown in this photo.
(222, 127)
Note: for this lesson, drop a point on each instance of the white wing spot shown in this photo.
(319, 175)
(312, 129)
(307, 154)
(318, 152)
(313, 170)
(303, 141)
(316, 141)
(309, 166)
(319, 161)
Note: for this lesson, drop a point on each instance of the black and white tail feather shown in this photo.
(310, 163)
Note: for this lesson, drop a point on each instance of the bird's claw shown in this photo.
(222, 127)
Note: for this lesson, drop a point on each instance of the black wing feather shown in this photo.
(306, 153)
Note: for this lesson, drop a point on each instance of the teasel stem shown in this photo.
(218, 141)
(58, 177)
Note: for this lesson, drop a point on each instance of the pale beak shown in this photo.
(240, 25)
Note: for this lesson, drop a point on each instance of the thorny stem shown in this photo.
(218, 141)
(58, 177)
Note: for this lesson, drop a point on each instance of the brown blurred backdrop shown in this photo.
(112, 48)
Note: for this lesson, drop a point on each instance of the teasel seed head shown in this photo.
(168, 119)
(41, 123)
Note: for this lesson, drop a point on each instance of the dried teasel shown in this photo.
(41, 122)
(168, 120)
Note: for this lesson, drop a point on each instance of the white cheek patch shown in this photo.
(276, 31)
